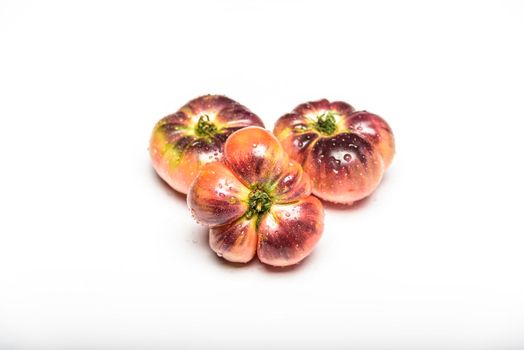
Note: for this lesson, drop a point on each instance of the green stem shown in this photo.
(326, 123)
(204, 127)
(259, 203)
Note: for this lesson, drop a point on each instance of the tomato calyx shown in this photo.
(326, 123)
(259, 203)
(205, 128)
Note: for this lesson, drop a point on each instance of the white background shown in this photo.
(96, 252)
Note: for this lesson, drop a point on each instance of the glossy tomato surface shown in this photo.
(181, 143)
(257, 202)
(345, 152)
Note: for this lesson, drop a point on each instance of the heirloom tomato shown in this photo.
(345, 152)
(183, 142)
(257, 201)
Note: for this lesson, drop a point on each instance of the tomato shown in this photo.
(257, 202)
(344, 152)
(183, 142)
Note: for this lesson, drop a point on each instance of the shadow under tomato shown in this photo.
(166, 188)
(200, 236)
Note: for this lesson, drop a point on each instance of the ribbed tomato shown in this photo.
(257, 201)
(183, 142)
(345, 152)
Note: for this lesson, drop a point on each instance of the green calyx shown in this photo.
(259, 203)
(326, 123)
(204, 127)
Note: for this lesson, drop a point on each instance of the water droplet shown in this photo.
(300, 144)
(221, 194)
(220, 185)
(347, 157)
(219, 254)
(334, 162)
(193, 215)
(287, 214)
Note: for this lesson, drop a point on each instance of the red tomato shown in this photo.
(183, 142)
(257, 201)
(343, 151)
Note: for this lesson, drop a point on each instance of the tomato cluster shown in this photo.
(254, 189)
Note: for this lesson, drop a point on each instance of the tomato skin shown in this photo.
(178, 150)
(255, 156)
(376, 131)
(345, 157)
(257, 202)
(218, 197)
(236, 242)
(290, 232)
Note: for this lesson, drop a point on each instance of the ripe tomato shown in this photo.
(344, 152)
(193, 136)
(257, 201)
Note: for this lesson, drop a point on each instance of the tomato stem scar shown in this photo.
(204, 127)
(326, 123)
